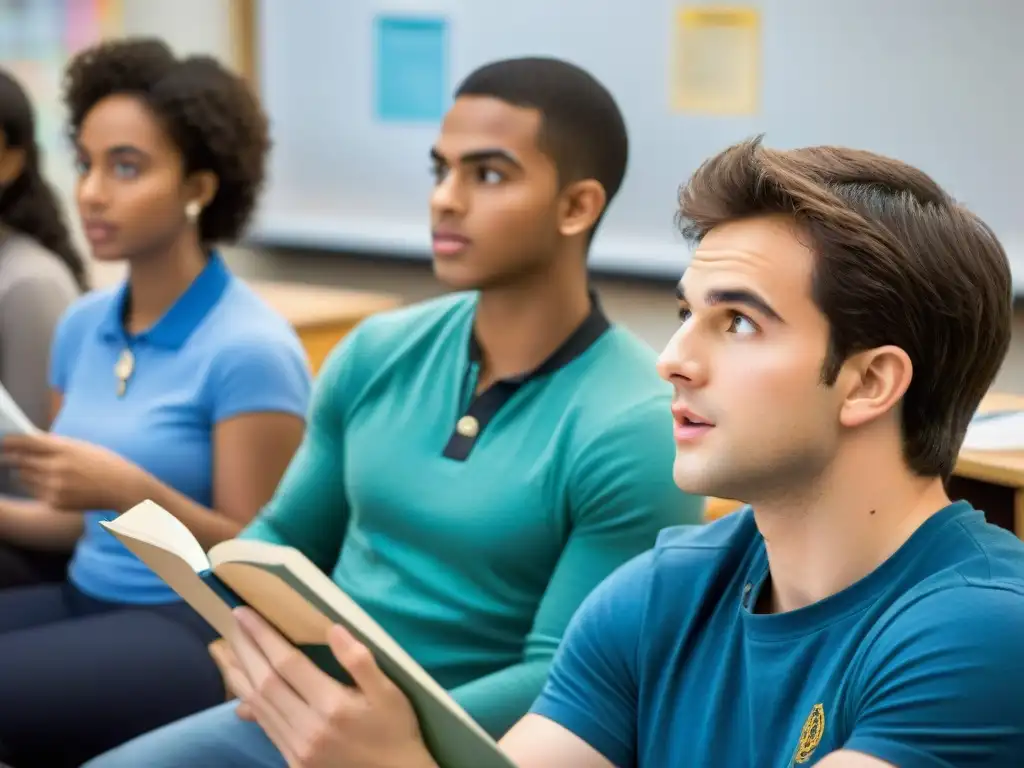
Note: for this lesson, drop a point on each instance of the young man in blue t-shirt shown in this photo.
(842, 318)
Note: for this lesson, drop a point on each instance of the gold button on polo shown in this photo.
(468, 426)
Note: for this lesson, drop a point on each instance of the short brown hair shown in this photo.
(898, 262)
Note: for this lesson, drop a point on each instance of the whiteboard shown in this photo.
(933, 82)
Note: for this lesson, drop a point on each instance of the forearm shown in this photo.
(209, 526)
(499, 700)
(34, 525)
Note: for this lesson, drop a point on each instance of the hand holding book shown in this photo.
(314, 667)
(312, 718)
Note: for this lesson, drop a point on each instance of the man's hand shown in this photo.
(314, 720)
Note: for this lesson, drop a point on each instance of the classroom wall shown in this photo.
(648, 310)
(203, 25)
(940, 73)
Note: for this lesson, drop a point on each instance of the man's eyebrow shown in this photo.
(741, 296)
(746, 298)
(479, 156)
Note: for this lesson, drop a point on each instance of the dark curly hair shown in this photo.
(29, 205)
(209, 112)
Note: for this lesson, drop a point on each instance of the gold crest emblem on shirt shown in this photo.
(810, 734)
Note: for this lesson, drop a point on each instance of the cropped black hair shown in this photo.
(29, 205)
(210, 113)
(582, 128)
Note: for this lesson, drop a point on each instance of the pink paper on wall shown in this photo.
(81, 23)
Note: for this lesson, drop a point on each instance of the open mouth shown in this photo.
(689, 426)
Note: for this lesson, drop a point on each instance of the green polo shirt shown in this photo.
(472, 525)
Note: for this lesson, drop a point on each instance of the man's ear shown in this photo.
(874, 382)
(583, 203)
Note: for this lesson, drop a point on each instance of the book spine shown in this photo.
(224, 592)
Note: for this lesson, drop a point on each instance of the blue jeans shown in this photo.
(215, 737)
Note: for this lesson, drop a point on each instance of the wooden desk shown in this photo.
(321, 315)
(992, 481)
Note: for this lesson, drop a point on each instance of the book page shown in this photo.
(278, 603)
(13, 420)
(149, 522)
(260, 553)
(184, 581)
(166, 545)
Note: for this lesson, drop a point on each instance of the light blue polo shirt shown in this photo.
(218, 352)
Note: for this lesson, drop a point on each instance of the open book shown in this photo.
(13, 420)
(297, 598)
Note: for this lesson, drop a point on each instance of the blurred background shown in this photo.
(355, 90)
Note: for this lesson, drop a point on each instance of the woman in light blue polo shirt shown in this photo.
(179, 385)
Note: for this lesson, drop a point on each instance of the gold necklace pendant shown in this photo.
(123, 370)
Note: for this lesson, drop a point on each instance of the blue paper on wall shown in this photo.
(411, 70)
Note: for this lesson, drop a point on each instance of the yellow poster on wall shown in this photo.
(716, 60)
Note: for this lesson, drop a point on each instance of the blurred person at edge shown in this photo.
(41, 274)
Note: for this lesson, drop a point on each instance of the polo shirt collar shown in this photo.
(589, 331)
(484, 407)
(184, 316)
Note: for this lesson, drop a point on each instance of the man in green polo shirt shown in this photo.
(475, 465)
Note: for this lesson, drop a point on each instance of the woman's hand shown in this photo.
(73, 474)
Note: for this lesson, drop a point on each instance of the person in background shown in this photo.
(41, 274)
(474, 465)
(178, 385)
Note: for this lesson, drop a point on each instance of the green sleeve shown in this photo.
(310, 510)
(621, 495)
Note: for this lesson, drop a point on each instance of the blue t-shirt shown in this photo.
(919, 664)
(217, 353)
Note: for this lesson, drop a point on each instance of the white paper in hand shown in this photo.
(13, 420)
(996, 432)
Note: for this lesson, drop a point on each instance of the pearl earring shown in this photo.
(192, 211)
